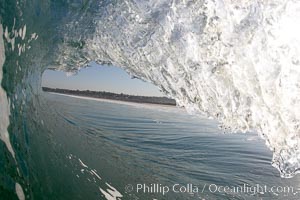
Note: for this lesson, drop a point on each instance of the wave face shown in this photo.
(235, 61)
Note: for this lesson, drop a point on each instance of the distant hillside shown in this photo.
(113, 96)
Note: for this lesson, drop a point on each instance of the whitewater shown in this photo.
(233, 61)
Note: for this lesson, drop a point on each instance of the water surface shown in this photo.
(128, 144)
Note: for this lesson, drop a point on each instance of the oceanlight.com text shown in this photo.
(245, 189)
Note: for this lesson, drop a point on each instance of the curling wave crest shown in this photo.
(235, 61)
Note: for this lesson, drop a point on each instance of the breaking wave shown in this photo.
(235, 61)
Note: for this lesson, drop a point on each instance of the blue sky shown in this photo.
(100, 78)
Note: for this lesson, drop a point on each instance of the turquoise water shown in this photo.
(145, 144)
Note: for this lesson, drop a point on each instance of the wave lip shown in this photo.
(237, 62)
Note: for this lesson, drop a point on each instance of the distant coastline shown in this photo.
(113, 96)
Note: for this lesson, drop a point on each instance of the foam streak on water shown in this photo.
(108, 192)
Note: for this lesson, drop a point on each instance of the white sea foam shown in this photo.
(82, 164)
(111, 193)
(95, 173)
(5, 112)
(20, 192)
(4, 103)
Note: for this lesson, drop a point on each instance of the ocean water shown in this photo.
(128, 144)
(234, 61)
